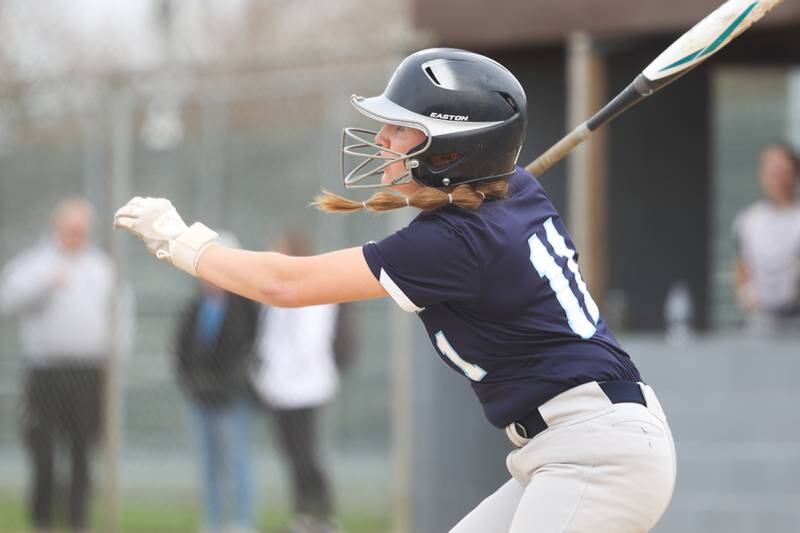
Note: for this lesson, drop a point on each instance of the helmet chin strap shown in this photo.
(407, 176)
(402, 179)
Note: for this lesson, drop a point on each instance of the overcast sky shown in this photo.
(49, 36)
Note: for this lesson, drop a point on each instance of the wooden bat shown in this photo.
(706, 38)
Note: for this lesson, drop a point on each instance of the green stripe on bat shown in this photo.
(717, 42)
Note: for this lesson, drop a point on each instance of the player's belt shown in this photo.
(532, 424)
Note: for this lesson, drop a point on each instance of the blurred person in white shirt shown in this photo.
(295, 377)
(61, 290)
(767, 269)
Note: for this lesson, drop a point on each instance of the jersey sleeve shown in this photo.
(428, 262)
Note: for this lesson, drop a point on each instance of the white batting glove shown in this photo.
(166, 235)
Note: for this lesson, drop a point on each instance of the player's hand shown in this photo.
(163, 231)
(154, 220)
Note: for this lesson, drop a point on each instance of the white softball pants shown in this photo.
(597, 468)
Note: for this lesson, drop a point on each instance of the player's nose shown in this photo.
(382, 137)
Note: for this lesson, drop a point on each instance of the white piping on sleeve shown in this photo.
(397, 294)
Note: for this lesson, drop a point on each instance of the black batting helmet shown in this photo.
(470, 107)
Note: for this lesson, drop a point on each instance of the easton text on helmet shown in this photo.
(449, 117)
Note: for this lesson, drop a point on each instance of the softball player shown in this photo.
(491, 271)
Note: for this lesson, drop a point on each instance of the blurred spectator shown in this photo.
(214, 347)
(296, 376)
(61, 289)
(767, 270)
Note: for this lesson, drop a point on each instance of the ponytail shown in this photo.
(466, 196)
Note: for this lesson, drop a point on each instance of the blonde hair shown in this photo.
(467, 196)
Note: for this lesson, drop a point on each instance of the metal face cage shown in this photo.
(373, 159)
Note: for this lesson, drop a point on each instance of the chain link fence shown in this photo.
(241, 151)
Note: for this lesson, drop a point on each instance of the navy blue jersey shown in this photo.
(502, 299)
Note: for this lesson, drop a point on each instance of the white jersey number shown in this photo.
(473, 372)
(545, 264)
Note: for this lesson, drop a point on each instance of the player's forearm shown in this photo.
(267, 277)
(286, 281)
(262, 276)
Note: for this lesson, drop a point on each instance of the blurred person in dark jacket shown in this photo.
(767, 269)
(213, 349)
(62, 292)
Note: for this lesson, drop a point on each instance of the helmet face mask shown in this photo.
(373, 162)
(471, 109)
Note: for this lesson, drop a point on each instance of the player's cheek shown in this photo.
(392, 171)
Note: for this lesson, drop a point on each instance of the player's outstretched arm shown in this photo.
(267, 277)
(285, 281)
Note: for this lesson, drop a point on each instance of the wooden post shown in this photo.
(587, 190)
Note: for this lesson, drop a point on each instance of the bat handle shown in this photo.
(557, 152)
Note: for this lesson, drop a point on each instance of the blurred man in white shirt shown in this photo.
(61, 292)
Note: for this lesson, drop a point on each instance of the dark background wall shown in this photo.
(542, 73)
(659, 175)
(519, 23)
